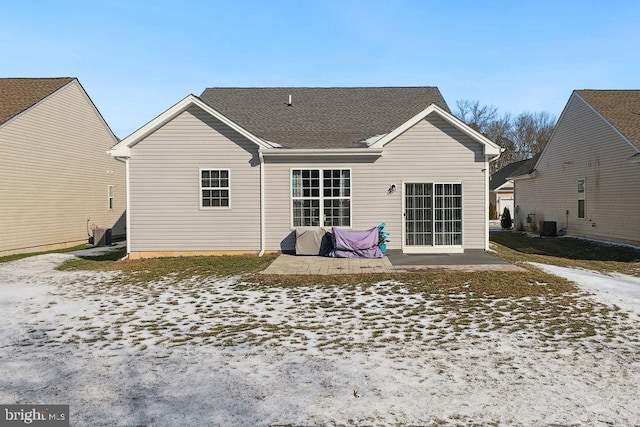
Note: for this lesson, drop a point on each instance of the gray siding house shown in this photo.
(56, 180)
(586, 178)
(238, 170)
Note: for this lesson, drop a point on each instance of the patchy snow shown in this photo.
(615, 289)
(222, 352)
(373, 139)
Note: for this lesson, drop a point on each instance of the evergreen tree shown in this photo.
(505, 221)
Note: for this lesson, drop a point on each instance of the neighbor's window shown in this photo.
(214, 188)
(110, 197)
(321, 197)
(581, 197)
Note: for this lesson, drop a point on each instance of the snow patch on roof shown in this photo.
(372, 140)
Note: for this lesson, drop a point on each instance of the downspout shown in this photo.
(486, 198)
(125, 160)
(262, 221)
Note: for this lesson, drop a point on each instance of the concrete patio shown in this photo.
(395, 261)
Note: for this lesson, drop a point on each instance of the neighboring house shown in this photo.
(586, 179)
(238, 170)
(501, 188)
(56, 179)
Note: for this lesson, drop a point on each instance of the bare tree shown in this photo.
(475, 115)
(521, 137)
(531, 132)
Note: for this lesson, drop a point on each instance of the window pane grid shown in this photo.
(326, 188)
(418, 215)
(214, 184)
(433, 214)
(448, 215)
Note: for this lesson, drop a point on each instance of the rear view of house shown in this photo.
(56, 180)
(586, 179)
(238, 170)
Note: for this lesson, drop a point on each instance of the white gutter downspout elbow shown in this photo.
(262, 221)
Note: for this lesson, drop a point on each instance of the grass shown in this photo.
(181, 302)
(16, 257)
(174, 269)
(567, 252)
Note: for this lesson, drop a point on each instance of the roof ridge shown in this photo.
(38, 78)
(321, 87)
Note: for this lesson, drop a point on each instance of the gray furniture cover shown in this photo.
(312, 241)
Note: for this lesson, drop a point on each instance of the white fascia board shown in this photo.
(501, 187)
(320, 152)
(521, 177)
(122, 149)
(634, 159)
(490, 147)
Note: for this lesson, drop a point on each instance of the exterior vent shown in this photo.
(101, 236)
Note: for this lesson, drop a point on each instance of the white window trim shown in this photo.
(584, 197)
(200, 188)
(321, 198)
(433, 248)
(111, 196)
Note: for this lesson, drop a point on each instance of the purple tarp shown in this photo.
(356, 244)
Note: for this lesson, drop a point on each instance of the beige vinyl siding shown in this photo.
(584, 146)
(431, 151)
(55, 172)
(165, 192)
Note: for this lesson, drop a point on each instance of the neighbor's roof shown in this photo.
(525, 167)
(620, 107)
(18, 94)
(500, 177)
(321, 117)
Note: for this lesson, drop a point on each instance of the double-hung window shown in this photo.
(321, 197)
(582, 192)
(214, 188)
(110, 197)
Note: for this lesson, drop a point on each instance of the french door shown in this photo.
(432, 217)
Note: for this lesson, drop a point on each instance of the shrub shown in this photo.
(505, 221)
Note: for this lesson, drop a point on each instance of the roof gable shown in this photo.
(490, 147)
(321, 117)
(19, 94)
(122, 149)
(621, 108)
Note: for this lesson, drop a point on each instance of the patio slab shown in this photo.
(395, 261)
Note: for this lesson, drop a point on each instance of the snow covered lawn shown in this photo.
(224, 352)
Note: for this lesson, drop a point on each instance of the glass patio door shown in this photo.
(432, 217)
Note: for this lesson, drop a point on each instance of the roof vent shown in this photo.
(289, 102)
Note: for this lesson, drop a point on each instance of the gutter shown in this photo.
(321, 152)
(530, 175)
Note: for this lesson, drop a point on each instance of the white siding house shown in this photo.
(238, 170)
(586, 178)
(56, 179)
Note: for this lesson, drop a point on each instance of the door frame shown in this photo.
(433, 249)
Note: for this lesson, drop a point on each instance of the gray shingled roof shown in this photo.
(18, 94)
(525, 167)
(620, 107)
(321, 117)
(500, 177)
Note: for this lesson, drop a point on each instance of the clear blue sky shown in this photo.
(137, 58)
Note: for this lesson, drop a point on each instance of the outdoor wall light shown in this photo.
(392, 189)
